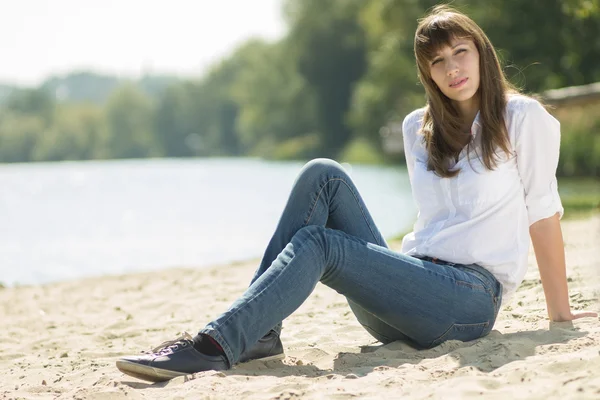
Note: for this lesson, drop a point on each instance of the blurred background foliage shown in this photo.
(343, 70)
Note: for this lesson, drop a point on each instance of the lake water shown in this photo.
(73, 219)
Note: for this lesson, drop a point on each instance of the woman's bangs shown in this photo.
(436, 35)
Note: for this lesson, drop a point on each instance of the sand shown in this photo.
(60, 341)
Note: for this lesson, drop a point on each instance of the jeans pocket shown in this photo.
(462, 332)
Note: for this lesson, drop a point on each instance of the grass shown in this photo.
(580, 197)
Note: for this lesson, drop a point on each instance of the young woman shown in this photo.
(481, 160)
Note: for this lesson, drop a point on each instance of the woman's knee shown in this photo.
(313, 237)
(310, 233)
(319, 167)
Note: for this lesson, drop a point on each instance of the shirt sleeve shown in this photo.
(409, 128)
(537, 150)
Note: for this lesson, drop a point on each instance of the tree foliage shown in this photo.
(343, 70)
(328, 45)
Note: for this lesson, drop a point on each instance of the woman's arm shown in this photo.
(548, 245)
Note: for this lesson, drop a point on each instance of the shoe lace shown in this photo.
(182, 340)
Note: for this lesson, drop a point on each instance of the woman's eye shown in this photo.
(435, 62)
(460, 51)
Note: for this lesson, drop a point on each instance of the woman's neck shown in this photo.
(468, 110)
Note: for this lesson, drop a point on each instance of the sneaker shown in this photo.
(178, 357)
(169, 360)
(269, 347)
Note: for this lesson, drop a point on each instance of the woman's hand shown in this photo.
(571, 316)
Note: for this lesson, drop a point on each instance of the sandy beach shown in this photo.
(60, 341)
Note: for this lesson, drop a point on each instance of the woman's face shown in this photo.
(455, 70)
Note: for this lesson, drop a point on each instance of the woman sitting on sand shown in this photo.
(482, 162)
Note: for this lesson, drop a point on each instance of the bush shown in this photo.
(580, 141)
(298, 148)
(361, 151)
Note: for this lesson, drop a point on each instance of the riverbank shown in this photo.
(61, 341)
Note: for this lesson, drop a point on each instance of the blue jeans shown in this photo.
(326, 234)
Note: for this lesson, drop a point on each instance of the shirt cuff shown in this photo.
(544, 207)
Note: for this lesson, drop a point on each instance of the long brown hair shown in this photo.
(442, 123)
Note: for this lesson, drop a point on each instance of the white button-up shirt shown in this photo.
(479, 216)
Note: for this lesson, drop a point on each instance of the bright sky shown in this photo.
(39, 38)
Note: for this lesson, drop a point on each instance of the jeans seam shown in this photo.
(472, 285)
(367, 327)
(250, 300)
(447, 331)
(485, 283)
(256, 296)
(312, 208)
(487, 290)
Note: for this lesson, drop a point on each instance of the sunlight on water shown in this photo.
(67, 220)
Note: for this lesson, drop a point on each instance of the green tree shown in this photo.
(199, 117)
(547, 43)
(390, 88)
(19, 135)
(129, 117)
(276, 105)
(78, 133)
(328, 44)
(32, 102)
(176, 125)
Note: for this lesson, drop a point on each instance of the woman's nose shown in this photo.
(451, 68)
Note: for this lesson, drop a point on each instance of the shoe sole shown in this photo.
(153, 374)
(280, 356)
(146, 372)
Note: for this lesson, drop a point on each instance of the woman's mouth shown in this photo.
(458, 82)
